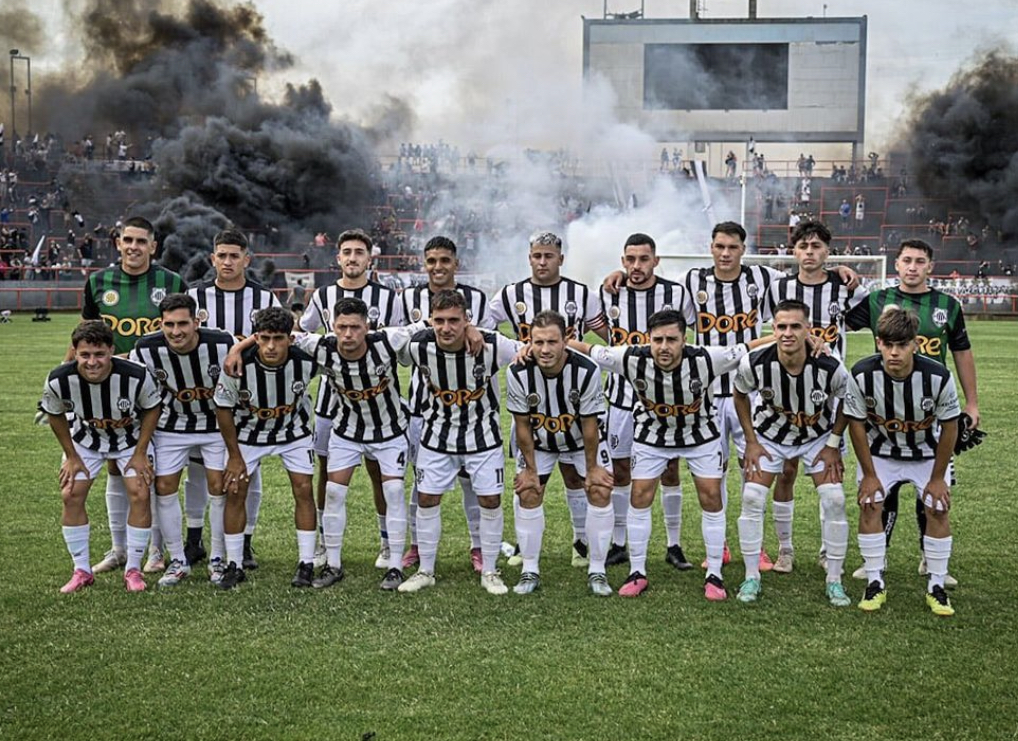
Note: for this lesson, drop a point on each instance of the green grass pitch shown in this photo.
(270, 662)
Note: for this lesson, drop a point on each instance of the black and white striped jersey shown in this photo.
(384, 310)
(627, 313)
(792, 409)
(728, 312)
(106, 416)
(902, 416)
(416, 302)
(231, 311)
(674, 408)
(271, 403)
(462, 414)
(556, 404)
(187, 381)
(371, 407)
(829, 302)
(518, 303)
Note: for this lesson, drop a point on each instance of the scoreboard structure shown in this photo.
(794, 79)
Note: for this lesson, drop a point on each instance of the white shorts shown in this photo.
(436, 472)
(323, 434)
(576, 458)
(173, 450)
(728, 424)
(781, 453)
(620, 432)
(390, 454)
(297, 457)
(892, 472)
(94, 462)
(704, 461)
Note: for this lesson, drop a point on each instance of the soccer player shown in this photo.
(627, 311)
(186, 360)
(674, 419)
(384, 310)
(903, 420)
(461, 430)
(266, 411)
(228, 302)
(555, 400)
(127, 296)
(441, 264)
(829, 299)
(797, 415)
(114, 405)
(370, 423)
(518, 303)
(941, 328)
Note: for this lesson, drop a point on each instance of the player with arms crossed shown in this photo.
(518, 303)
(674, 419)
(186, 360)
(903, 419)
(461, 430)
(114, 406)
(941, 328)
(627, 310)
(266, 411)
(228, 302)
(798, 415)
(555, 400)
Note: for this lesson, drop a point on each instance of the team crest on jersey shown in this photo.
(640, 384)
(479, 373)
(124, 405)
(701, 297)
(244, 395)
(940, 317)
(521, 308)
(252, 315)
(926, 404)
(298, 387)
(160, 374)
(695, 386)
(835, 311)
(470, 315)
(870, 402)
(570, 308)
(574, 397)
(214, 371)
(157, 295)
(68, 405)
(203, 315)
(818, 397)
(614, 312)
(767, 394)
(752, 290)
(111, 297)
(533, 400)
(415, 315)
(425, 371)
(374, 313)
(380, 371)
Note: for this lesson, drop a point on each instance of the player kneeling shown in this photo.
(903, 419)
(114, 406)
(267, 411)
(797, 414)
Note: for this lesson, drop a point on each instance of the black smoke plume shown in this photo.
(963, 141)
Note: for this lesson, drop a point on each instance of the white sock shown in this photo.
(412, 516)
(529, 534)
(620, 505)
(196, 494)
(217, 505)
(334, 522)
(253, 505)
(472, 511)
(137, 541)
(751, 526)
(395, 520)
(76, 538)
(600, 521)
(234, 548)
(429, 530)
(783, 513)
(938, 554)
(724, 486)
(170, 518)
(155, 539)
(832, 504)
(321, 527)
(116, 508)
(306, 545)
(491, 527)
(712, 524)
(873, 548)
(639, 526)
(576, 499)
(671, 504)
(383, 534)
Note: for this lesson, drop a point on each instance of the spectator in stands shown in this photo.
(86, 253)
(664, 159)
(731, 165)
(983, 270)
(845, 211)
(860, 211)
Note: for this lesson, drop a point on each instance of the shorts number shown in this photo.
(605, 460)
(401, 460)
(311, 457)
(500, 476)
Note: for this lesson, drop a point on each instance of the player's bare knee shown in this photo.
(427, 501)
(490, 501)
(599, 496)
(530, 498)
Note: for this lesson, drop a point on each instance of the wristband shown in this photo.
(833, 441)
